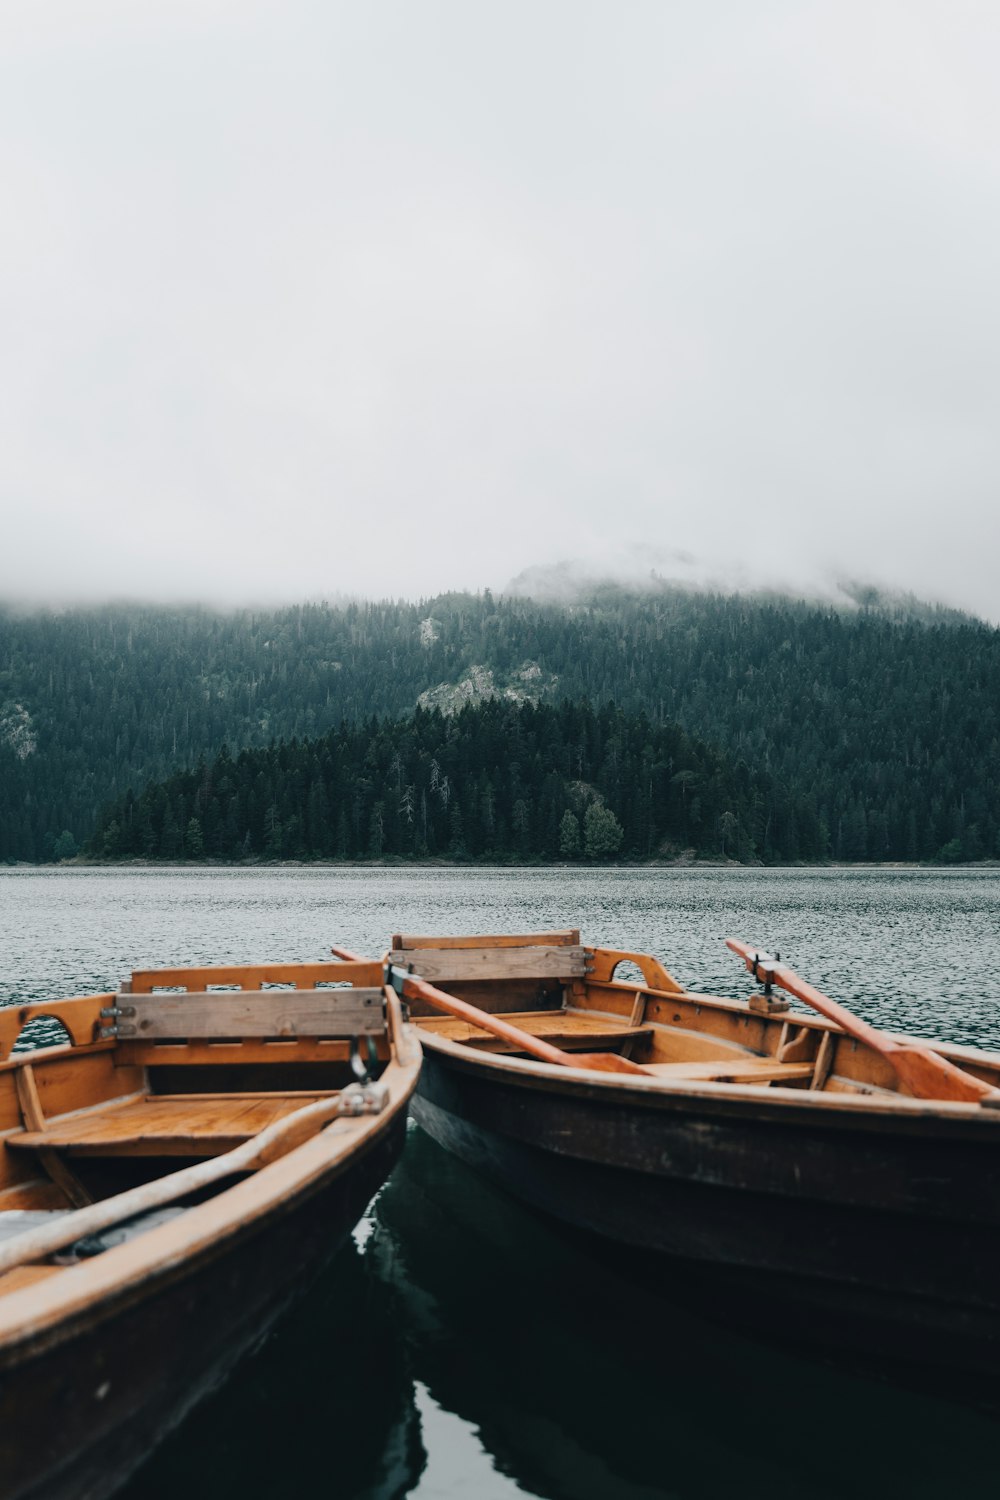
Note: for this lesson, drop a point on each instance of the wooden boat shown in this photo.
(171, 1175)
(765, 1144)
(610, 1358)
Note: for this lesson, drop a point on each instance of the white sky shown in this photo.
(401, 295)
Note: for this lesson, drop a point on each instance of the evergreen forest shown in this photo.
(868, 733)
(496, 781)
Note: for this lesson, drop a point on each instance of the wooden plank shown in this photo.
(752, 1070)
(26, 1082)
(635, 1021)
(443, 964)
(568, 937)
(799, 1047)
(205, 1053)
(31, 1192)
(34, 1120)
(571, 1032)
(27, 1098)
(824, 1061)
(596, 1041)
(538, 1022)
(513, 994)
(638, 1010)
(10, 1110)
(63, 1050)
(75, 1080)
(251, 1013)
(272, 1095)
(166, 1125)
(252, 976)
(674, 1046)
(66, 1181)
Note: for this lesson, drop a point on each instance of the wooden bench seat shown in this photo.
(571, 1030)
(163, 1125)
(739, 1070)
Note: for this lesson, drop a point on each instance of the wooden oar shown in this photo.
(926, 1074)
(260, 1151)
(410, 987)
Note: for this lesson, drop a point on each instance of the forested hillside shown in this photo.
(495, 781)
(880, 729)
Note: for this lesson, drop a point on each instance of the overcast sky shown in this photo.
(401, 295)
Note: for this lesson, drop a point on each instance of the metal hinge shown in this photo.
(114, 1013)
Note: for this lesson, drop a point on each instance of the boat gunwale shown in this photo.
(878, 1110)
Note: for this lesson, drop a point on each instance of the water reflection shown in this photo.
(582, 1383)
(325, 1405)
(463, 1346)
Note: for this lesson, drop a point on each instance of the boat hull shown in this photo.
(882, 1231)
(83, 1411)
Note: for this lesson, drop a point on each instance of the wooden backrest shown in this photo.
(275, 1013)
(280, 1001)
(254, 976)
(537, 955)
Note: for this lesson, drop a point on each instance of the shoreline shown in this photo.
(398, 863)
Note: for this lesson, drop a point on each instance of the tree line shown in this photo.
(497, 781)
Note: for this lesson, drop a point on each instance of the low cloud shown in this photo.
(386, 299)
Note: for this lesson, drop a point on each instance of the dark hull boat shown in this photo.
(168, 1183)
(557, 1393)
(766, 1144)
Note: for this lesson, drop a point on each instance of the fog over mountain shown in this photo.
(573, 582)
(325, 298)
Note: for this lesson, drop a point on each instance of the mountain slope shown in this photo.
(883, 725)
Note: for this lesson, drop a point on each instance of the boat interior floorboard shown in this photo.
(571, 1030)
(164, 1125)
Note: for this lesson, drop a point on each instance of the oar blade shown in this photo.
(605, 1062)
(927, 1075)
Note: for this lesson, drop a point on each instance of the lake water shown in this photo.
(460, 1346)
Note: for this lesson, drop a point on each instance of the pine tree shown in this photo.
(602, 832)
(569, 835)
(65, 845)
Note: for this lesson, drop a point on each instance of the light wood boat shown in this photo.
(764, 1143)
(171, 1175)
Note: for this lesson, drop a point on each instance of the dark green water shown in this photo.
(462, 1346)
